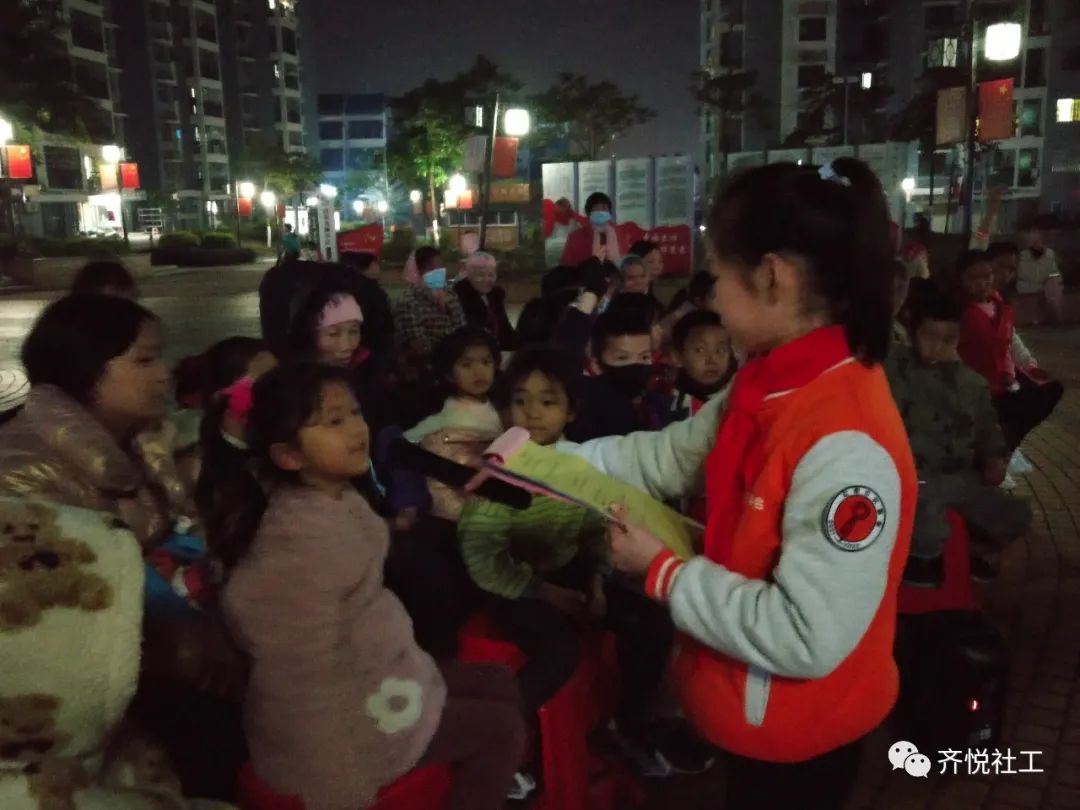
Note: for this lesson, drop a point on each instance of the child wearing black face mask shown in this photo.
(615, 400)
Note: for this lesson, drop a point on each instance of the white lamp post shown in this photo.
(907, 185)
(112, 155)
(7, 132)
(268, 199)
(516, 122)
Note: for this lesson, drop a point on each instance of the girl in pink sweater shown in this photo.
(341, 700)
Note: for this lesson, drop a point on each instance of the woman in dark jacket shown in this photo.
(483, 301)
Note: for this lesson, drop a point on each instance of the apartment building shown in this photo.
(795, 47)
(352, 130)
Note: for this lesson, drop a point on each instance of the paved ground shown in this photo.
(1036, 601)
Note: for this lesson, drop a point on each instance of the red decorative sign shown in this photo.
(366, 239)
(674, 243)
(465, 200)
(243, 206)
(129, 175)
(19, 164)
(504, 161)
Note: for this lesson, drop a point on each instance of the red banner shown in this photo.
(243, 206)
(505, 158)
(366, 239)
(129, 175)
(19, 164)
(675, 246)
(996, 111)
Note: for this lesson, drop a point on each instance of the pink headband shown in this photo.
(340, 309)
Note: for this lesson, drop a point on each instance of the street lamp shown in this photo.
(415, 196)
(246, 189)
(328, 191)
(311, 202)
(383, 206)
(1001, 44)
(1003, 41)
(358, 207)
(7, 131)
(516, 122)
(112, 155)
(458, 184)
(268, 200)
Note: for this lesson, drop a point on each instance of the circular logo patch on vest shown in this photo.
(854, 518)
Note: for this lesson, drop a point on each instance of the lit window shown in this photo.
(1068, 110)
(277, 71)
(272, 4)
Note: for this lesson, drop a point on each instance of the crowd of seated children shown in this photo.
(958, 446)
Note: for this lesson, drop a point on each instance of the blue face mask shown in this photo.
(600, 218)
(435, 279)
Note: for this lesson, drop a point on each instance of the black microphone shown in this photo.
(409, 456)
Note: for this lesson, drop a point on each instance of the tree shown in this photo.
(591, 113)
(728, 95)
(822, 112)
(37, 81)
(429, 126)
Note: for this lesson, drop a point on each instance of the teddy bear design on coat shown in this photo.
(28, 734)
(39, 568)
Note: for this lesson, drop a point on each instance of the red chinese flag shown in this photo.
(243, 206)
(20, 167)
(129, 175)
(996, 111)
(505, 159)
(465, 200)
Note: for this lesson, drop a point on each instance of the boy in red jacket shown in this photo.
(1024, 395)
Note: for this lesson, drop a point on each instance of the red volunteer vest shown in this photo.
(781, 719)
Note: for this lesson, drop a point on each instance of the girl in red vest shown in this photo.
(788, 617)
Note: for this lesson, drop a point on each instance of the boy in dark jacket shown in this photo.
(958, 446)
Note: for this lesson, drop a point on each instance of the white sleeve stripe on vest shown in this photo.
(822, 597)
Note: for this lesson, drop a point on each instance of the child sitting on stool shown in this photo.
(958, 446)
(541, 570)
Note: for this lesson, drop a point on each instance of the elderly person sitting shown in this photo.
(483, 301)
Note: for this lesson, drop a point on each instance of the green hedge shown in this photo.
(78, 246)
(196, 256)
(178, 240)
(218, 240)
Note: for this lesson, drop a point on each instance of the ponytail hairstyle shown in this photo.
(285, 400)
(836, 221)
(222, 365)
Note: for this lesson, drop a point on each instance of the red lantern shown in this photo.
(20, 166)
(129, 175)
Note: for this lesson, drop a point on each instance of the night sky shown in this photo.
(648, 47)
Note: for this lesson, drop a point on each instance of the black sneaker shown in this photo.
(682, 750)
(982, 570)
(666, 748)
(924, 572)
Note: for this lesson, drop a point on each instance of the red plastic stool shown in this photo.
(420, 789)
(955, 591)
(569, 775)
